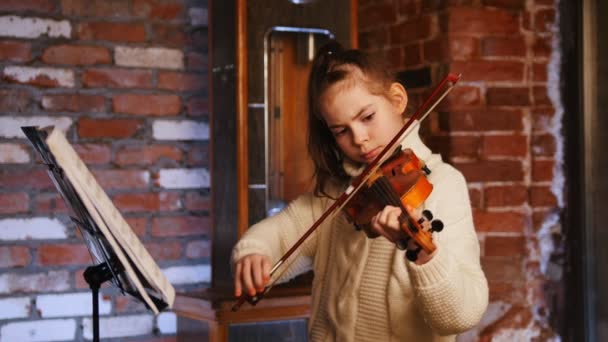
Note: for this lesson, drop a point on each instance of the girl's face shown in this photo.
(361, 122)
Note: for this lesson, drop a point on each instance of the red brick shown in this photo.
(197, 106)
(178, 81)
(503, 268)
(504, 246)
(169, 35)
(503, 46)
(164, 251)
(541, 96)
(489, 71)
(461, 97)
(499, 222)
(451, 48)
(180, 226)
(42, 80)
(505, 196)
(507, 291)
(539, 216)
(544, 20)
(197, 61)
(117, 78)
(540, 72)
(455, 146)
(543, 145)
(542, 170)
(147, 155)
(14, 256)
(412, 55)
(14, 203)
(77, 55)
(384, 13)
(156, 9)
(414, 29)
(198, 155)
(14, 100)
(73, 103)
(147, 104)
(394, 57)
(148, 202)
(492, 171)
(482, 120)
(94, 153)
(138, 225)
(108, 128)
(512, 96)
(542, 118)
(542, 47)
(50, 204)
(412, 8)
(101, 9)
(477, 21)
(63, 254)
(541, 196)
(475, 198)
(197, 202)
(121, 179)
(21, 179)
(115, 32)
(14, 51)
(198, 249)
(511, 4)
(505, 145)
(39, 6)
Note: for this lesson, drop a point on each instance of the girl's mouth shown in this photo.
(371, 155)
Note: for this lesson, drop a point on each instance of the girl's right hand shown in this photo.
(251, 274)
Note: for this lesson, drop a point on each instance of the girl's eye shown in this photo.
(369, 117)
(339, 132)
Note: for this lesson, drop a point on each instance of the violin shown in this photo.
(407, 170)
(400, 181)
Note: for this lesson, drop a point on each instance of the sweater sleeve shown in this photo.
(451, 288)
(274, 236)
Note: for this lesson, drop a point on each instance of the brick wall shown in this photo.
(127, 81)
(500, 127)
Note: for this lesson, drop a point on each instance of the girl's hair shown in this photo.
(333, 64)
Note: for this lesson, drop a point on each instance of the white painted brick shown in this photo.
(70, 304)
(43, 330)
(167, 323)
(13, 153)
(14, 26)
(16, 307)
(37, 228)
(199, 16)
(183, 178)
(180, 130)
(64, 77)
(53, 281)
(188, 274)
(10, 127)
(149, 57)
(120, 326)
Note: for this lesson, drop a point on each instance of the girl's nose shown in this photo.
(360, 136)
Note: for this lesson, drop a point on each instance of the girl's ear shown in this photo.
(398, 96)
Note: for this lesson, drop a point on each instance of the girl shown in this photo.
(365, 289)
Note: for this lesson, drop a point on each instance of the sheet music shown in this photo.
(117, 231)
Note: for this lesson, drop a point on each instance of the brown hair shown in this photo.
(332, 64)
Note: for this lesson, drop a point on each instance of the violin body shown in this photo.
(399, 181)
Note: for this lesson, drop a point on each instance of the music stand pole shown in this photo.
(95, 276)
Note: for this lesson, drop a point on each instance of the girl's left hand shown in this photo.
(386, 223)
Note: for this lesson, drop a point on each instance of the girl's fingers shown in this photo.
(248, 282)
(266, 269)
(237, 279)
(257, 273)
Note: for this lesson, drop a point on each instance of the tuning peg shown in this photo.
(426, 170)
(436, 226)
(427, 214)
(402, 244)
(412, 254)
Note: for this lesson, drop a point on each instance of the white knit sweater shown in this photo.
(364, 289)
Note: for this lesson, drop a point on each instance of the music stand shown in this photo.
(106, 266)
